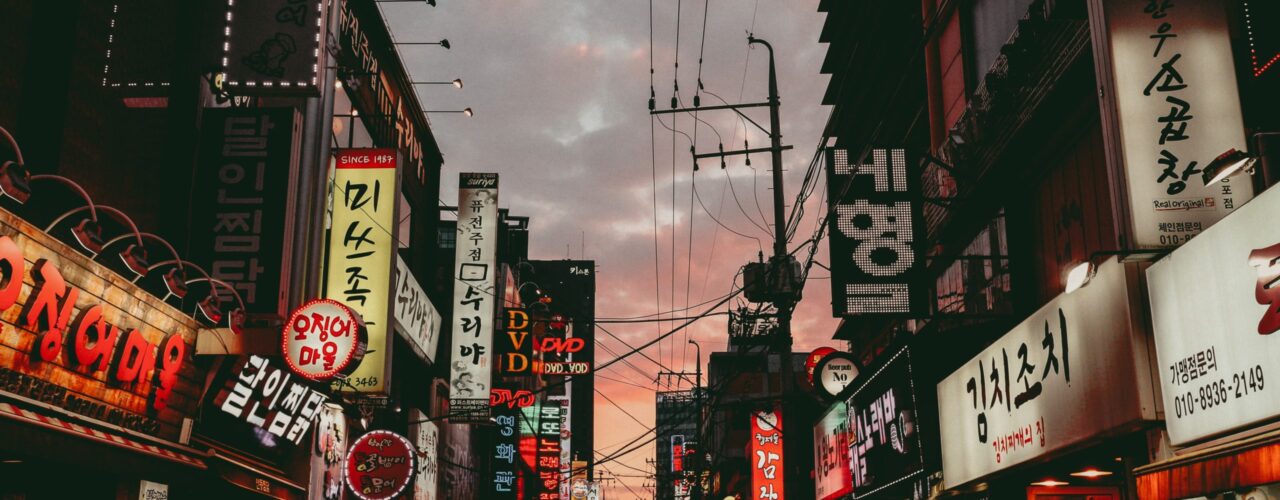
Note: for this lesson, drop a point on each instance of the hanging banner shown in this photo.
(766, 454)
(327, 454)
(1177, 108)
(417, 319)
(1020, 398)
(474, 286)
(273, 46)
(242, 214)
(323, 339)
(379, 465)
(427, 441)
(362, 253)
(831, 477)
(1215, 309)
(875, 255)
(271, 399)
(885, 449)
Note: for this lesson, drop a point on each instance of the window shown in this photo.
(978, 281)
(448, 237)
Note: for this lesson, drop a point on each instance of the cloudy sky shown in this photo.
(559, 89)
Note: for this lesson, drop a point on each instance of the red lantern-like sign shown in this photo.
(811, 361)
(379, 465)
(324, 339)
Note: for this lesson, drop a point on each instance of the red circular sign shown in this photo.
(379, 465)
(323, 339)
(811, 361)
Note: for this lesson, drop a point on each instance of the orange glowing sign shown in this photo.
(766, 455)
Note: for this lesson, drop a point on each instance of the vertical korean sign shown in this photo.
(362, 243)
(766, 455)
(874, 252)
(1178, 108)
(474, 298)
(831, 474)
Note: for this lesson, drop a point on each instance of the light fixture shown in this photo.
(457, 83)
(465, 111)
(444, 42)
(1091, 473)
(1227, 164)
(1079, 276)
(11, 461)
(15, 181)
(1051, 483)
(337, 84)
(89, 235)
(135, 258)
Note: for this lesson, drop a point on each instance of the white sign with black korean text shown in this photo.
(474, 286)
(1215, 311)
(1177, 108)
(1074, 369)
(417, 319)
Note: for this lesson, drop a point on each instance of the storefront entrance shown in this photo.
(1071, 493)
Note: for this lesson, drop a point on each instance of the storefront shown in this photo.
(1060, 404)
(96, 376)
(1215, 307)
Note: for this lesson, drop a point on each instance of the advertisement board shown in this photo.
(380, 465)
(328, 450)
(765, 454)
(323, 339)
(885, 448)
(362, 253)
(1177, 107)
(416, 318)
(426, 439)
(831, 437)
(1215, 311)
(474, 286)
(874, 252)
(271, 399)
(1024, 396)
(273, 46)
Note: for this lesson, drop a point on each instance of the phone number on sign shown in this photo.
(1219, 392)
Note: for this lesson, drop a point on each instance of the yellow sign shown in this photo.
(362, 246)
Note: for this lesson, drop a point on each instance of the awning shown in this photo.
(244, 473)
(32, 417)
(1253, 461)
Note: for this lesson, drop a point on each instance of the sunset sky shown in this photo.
(559, 89)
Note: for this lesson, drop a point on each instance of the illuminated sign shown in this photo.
(831, 473)
(514, 349)
(561, 345)
(362, 253)
(1215, 311)
(474, 284)
(875, 254)
(116, 359)
(549, 427)
(1177, 107)
(505, 443)
(323, 339)
(566, 367)
(271, 399)
(379, 465)
(811, 361)
(328, 450)
(511, 399)
(766, 455)
(427, 441)
(885, 448)
(834, 372)
(1020, 398)
(417, 319)
(273, 46)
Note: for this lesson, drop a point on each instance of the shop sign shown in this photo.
(566, 367)
(427, 441)
(519, 398)
(148, 490)
(886, 448)
(831, 473)
(119, 358)
(504, 456)
(323, 339)
(417, 319)
(362, 253)
(766, 455)
(549, 427)
(811, 361)
(327, 453)
(875, 255)
(514, 348)
(379, 465)
(835, 372)
(1178, 108)
(1215, 309)
(271, 399)
(241, 212)
(474, 284)
(273, 46)
(1040, 388)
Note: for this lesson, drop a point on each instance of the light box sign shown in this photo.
(417, 319)
(875, 254)
(765, 456)
(427, 441)
(885, 447)
(1215, 309)
(831, 435)
(550, 425)
(1021, 398)
(273, 46)
(1177, 108)
(271, 399)
(514, 348)
(362, 253)
(323, 339)
(77, 336)
(474, 286)
(505, 454)
(380, 465)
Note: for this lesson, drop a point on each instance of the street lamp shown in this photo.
(465, 111)
(457, 82)
(1233, 161)
(444, 42)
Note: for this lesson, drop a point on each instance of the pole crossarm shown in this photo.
(708, 108)
(739, 152)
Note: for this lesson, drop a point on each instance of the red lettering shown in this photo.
(92, 339)
(49, 309)
(136, 356)
(172, 354)
(12, 269)
(1267, 291)
(554, 344)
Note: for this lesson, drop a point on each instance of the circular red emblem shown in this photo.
(811, 361)
(323, 339)
(379, 465)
